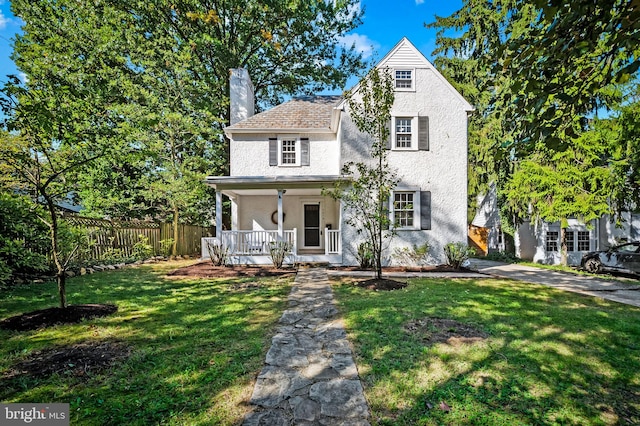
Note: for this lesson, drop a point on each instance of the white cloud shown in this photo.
(23, 77)
(363, 44)
(419, 2)
(3, 21)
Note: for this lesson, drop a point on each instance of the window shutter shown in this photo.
(389, 136)
(425, 209)
(273, 151)
(304, 152)
(423, 133)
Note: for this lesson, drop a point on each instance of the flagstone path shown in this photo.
(310, 377)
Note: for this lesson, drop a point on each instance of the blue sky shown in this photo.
(385, 23)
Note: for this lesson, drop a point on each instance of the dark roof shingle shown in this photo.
(306, 112)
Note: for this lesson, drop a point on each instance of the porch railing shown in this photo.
(255, 242)
(250, 243)
(332, 241)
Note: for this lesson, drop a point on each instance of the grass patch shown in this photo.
(194, 346)
(540, 356)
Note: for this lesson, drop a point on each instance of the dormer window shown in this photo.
(404, 79)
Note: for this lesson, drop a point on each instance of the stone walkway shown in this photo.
(310, 377)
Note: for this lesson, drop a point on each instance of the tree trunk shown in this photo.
(176, 216)
(61, 279)
(380, 219)
(55, 253)
(563, 246)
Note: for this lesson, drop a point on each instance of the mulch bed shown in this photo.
(429, 268)
(386, 284)
(79, 360)
(207, 270)
(48, 317)
(442, 330)
(382, 284)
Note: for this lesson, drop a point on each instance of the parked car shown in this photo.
(622, 258)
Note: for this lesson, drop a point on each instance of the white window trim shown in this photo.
(298, 149)
(413, 80)
(414, 132)
(416, 209)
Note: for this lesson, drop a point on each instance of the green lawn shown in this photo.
(196, 346)
(550, 357)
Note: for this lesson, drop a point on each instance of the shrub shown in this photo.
(278, 251)
(113, 255)
(218, 253)
(165, 246)
(364, 256)
(24, 239)
(457, 253)
(416, 255)
(502, 257)
(142, 250)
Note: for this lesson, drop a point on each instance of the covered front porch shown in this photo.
(266, 210)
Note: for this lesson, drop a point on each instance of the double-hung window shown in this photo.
(404, 79)
(570, 240)
(289, 152)
(552, 241)
(584, 241)
(403, 132)
(403, 209)
(409, 133)
(410, 209)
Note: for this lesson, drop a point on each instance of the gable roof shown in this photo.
(406, 55)
(305, 114)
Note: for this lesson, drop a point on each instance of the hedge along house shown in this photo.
(281, 159)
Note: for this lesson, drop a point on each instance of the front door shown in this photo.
(312, 225)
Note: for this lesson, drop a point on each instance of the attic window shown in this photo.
(404, 79)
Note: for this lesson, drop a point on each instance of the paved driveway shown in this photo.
(610, 290)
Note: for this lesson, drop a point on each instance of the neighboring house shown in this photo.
(281, 159)
(541, 242)
(485, 230)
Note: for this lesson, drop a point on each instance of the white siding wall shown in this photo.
(441, 170)
(250, 156)
(405, 57)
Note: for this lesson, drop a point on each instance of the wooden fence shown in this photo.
(107, 237)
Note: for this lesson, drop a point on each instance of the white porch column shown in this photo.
(280, 216)
(219, 216)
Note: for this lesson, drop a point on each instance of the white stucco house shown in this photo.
(282, 158)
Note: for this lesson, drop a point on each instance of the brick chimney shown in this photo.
(241, 95)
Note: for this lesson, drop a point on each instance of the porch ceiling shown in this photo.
(265, 185)
(274, 192)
